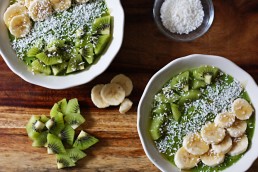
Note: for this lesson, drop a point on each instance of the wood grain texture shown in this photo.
(145, 50)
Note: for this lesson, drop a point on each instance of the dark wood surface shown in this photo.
(234, 35)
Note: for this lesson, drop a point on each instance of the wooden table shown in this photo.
(234, 34)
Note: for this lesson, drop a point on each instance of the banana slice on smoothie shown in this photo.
(194, 144)
(20, 26)
(27, 3)
(225, 119)
(240, 145)
(113, 94)
(125, 106)
(212, 159)
(242, 109)
(237, 129)
(61, 5)
(39, 10)
(22, 2)
(224, 146)
(125, 82)
(12, 11)
(184, 160)
(212, 133)
(96, 97)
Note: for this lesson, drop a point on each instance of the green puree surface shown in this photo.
(215, 98)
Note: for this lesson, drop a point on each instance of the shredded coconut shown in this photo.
(181, 16)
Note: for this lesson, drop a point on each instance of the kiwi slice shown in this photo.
(49, 59)
(155, 125)
(102, 25)
(34, 127)
(63, 160)
(72, 106)
(67, 134)
(101, 43)
(84, 141)
(198, 84)
(39, 67)
(54, 145)
(55, 45)
(59, 68)
(54, 110)
(63, 105)
(44, 118)
(75, 63)
(175, 111)
(206, 73)
(163, 108)
(56, 124)
(88, 53)
(75, 154)
(40, 140)
(191, 95)
(74, 119)
(180, 82)
(33, 51)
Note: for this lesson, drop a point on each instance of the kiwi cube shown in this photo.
(49, 59)
(54, 144)
(40, 140)
(63, 161)
(155, 125)
(63, 105)
(72, 106)
(175, 111)
(74, 119)
(84, 141)
(189, 96)
(67, 134)
(180, 82)
(75, 154)
(39, 67)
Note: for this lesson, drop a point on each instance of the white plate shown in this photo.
(62, 82)
(175, 67)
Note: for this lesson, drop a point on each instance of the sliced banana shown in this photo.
(224, 146)
(242, 109)
(12, 11)
(185, 160)
(212, 133)
(125, 106)
(113, 94)
(237, 129)
(22, 2)
(240, 145)
(61, 5)
(96, 97)
(212, 159)
(82, 1)
(27, 3)
(20, 26)
(125, 82)
(224, 120)
(39, 10)
(194, 144)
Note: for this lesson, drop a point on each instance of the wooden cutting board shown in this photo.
(145, 50)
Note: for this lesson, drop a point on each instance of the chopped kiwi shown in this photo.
(40, 140)
(102, 25)
(56, 124)
(63, 160)
(163, 108)
(55, 45)
(101, 43)
(49, 59)
(39, 67)
(75, 63)
(32, 131)
(67, 134)
(180, 82)
(33, 51)
(198, 84)
(75, 154)
(206, 73)
(63, 105)
(72, 106)
(54, 110)
(175, 111)
(74, 119)
(155, 125)
(88, 53)
(54, 145)
(84, 141)
(59, 68)
(191, 95)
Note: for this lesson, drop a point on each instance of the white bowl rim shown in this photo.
(249, 157)
(72, 80)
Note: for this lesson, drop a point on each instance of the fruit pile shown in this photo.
(226, 135)
(57, 133)
(113, 93)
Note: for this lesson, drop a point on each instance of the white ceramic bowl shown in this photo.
(162, 76)
(62, 82)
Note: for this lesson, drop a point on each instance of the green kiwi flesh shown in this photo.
(39, 67)
(84, 141)
(87, 53)
(175, 111)
(32, 129)
(75, 63)
(72, 106)
(57, 124)
(40, 140)
(102, 25)
(75, 154)
(49, 59)
(74, 119)
(156, 122)
(63, 160)
(67, 134)
(206, 73)
(54, 145)
(62, 105)
(181, 82)
(163, 108)
(33, 51)
(101, 43)
(59, 68)
(191, 95)
(198, 84)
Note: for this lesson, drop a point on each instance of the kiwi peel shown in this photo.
(56, 133)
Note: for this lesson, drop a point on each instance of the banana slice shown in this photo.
(96, 97)
(20, 26)
(27, 3)
(212, 133)
(185, 160)
(125, 106)
(113, 94)
(61, 5)
(224, 120)
(237, 129)
(194, 144)
(82, 1)
(240, 145)
(125, 82)
(224, 146)
(242, 109)
(12, 11)
(22, 2)
(39, 10)
(212, 159)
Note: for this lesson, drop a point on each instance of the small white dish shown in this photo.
(63, 82)
(162, 76)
